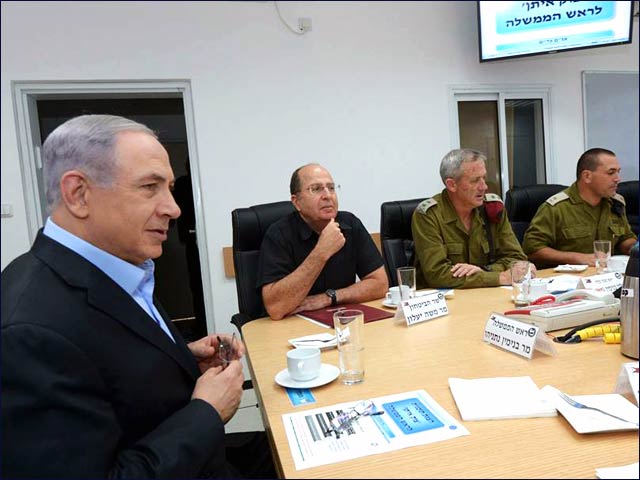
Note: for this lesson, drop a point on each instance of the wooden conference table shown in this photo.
(400, 359)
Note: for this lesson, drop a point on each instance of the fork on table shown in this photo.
(314, 340)
(576, 404)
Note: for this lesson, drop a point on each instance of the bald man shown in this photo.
(310, 259)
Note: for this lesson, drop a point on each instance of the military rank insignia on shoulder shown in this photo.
(492, 197)
(619, 198)
(618, 204)
(426, 205)
(557, 198)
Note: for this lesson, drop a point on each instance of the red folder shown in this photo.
(325, 315)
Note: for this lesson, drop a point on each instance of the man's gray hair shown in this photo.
(86, 143)
(451, 164)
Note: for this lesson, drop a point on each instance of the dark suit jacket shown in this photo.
(91, 386)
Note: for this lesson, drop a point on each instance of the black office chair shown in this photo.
(249, 226)
(396, 236)
(629, 190)
(522, 204)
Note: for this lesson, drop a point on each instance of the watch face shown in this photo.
(332, 294)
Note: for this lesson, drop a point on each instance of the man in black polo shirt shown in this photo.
(310, 258)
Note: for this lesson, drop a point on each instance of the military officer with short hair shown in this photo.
(566, 224)
(463, 238)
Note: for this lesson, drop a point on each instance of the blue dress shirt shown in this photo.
(137, 281)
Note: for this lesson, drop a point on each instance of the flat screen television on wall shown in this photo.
(518, 29)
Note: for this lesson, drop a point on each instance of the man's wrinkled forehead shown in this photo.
(314, 174)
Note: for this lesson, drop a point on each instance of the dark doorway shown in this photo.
(180, 260)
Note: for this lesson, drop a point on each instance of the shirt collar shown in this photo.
(306, 232)
(574, 195)
(449, 213)
(125, 274)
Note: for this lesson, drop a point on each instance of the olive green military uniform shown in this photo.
(566, 222)
(441, 241)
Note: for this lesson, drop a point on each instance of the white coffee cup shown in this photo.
(393, 295)
(537, 288)
(304, 363)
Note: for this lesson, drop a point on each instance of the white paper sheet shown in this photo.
(411, 418)
(560, 283)
(499, 398)
(625, 471)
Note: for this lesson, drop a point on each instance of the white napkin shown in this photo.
(570, 268)
(560, 283)
(318, 340)
(499, 398)
(588, 421)
(625, 471)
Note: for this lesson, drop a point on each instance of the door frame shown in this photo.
(27, 93)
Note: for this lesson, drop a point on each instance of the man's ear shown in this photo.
(75, 189)
(294, 200)
(451, 184)
(586, 175)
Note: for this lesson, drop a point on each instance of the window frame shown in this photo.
(501, 93)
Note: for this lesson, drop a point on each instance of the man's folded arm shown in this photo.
(281, 297)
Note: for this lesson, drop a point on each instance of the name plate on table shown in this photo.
(605, 282)
(426, 307)
(511, 335)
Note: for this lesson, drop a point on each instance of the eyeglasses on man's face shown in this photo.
(318, 189)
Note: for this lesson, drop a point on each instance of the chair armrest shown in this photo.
(239, 319)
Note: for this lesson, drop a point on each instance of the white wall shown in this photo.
(364, 93)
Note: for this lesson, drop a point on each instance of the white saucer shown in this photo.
(571, 268)
(387, 303)
(328, 373)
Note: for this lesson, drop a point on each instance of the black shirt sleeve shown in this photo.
(276, 260)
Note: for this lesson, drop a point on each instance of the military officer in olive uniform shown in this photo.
(463, 238)
(565, 226)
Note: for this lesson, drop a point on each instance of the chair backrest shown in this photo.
(396, 236)
(629, 190)
(522, 204)
(249, 226)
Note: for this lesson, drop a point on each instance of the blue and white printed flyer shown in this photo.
(392, 422)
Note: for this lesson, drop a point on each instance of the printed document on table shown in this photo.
(409, 419)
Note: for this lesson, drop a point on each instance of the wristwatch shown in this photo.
(331, 293)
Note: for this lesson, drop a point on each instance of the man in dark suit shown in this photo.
(96, 381)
